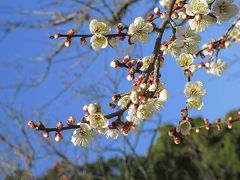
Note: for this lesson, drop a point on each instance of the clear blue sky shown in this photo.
(20, 55)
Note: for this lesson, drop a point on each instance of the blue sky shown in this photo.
(21, 61)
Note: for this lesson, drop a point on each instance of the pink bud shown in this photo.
(31, 124)
(58, 136)
(59, 125)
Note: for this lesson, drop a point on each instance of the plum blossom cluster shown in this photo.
(186, 19)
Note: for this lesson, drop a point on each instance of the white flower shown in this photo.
(186, 42)
(98, 42)
(145, 111)
(99, 30)
(224, 10)
(194, 89)
(201, 23)
(111, 133)
(139, 30)
(164, 3)
(185, 60)
(82, 136)
(199, 9)
(152, 87)
(97, 120)
(163, 96)
(134, 97)
(193, 68)
(134, 119)
(92, 108)
(194, 103)
(146, 62)
(217, 67)
(184, 127)
(123, 102)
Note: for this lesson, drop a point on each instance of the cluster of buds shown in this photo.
(184, 128)
(59, 127)
(119, 30)
(127, 62)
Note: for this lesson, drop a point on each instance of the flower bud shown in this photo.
(156, 10)
(85, 109)
(114, 64)
(83, 41)
(229, 122)
(56, 36)
(67, 42)
(59, 125)
(31, 124)
(45, 134)
(126, 59)
(71, 120)
(130, 77)
(70, 32)
(58, 136)
(177, 140)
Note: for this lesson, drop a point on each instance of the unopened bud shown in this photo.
(229, 122)
(59, 125)
(156, 10)
(58, 136)
(177, 140)
(67, 42)
(56, 36)
(31, 124)
(71, 120)
(70, 32)
(114, 63)
(130, 77)
(45, 134)
(83, 41)
(126, 59)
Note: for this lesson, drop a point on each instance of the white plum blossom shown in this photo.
(185, 60)
(92, 108)
(217, 67)
(163, 96)
(224, 10)
(132, 117)
(194, 89)
(123, 102)
(146, 111)
(139, 30)
(184, 127)
(97, 120)
(194, 92)
(99, 30)
(199, 9)
(134, 97)
(83, 135)
(146, 62)
(194, 103)
(186, 42)
(111, 133)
